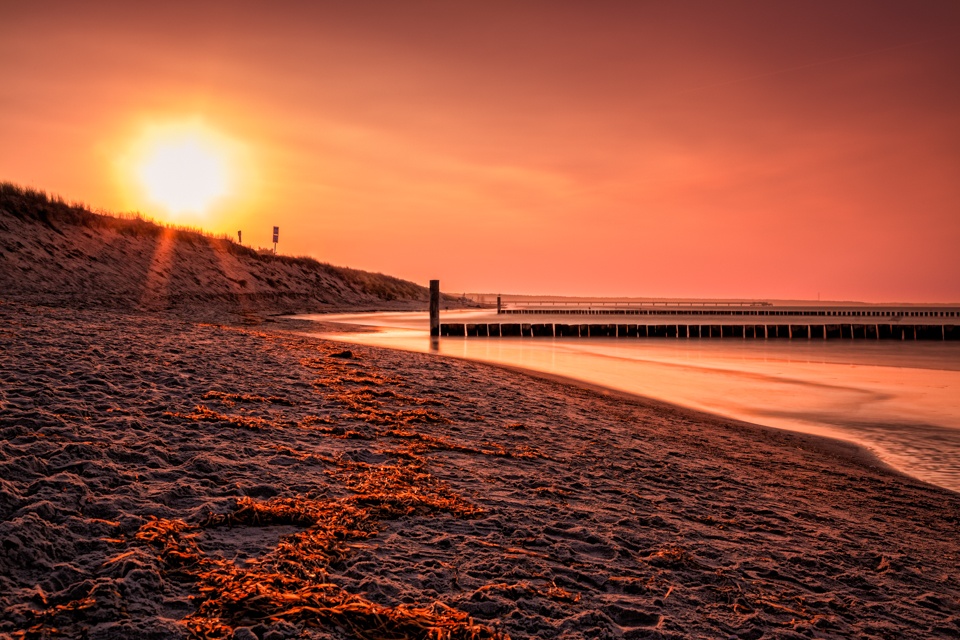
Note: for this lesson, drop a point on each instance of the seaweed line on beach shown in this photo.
(290, 583)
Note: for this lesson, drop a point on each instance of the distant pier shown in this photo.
(721, 320)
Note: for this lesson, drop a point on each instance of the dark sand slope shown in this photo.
(52, 253)
(161, 478)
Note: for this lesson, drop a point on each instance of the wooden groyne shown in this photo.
(724, 320)
(764, 311)
(841, 331)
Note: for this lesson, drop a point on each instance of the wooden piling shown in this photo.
(435, 308)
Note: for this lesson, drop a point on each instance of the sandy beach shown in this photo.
(161, 478)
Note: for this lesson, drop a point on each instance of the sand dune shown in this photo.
(53, 253)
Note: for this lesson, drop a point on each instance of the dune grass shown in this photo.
(53, 211)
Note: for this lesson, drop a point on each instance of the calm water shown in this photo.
(899, 399)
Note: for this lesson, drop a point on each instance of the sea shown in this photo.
(898, 399)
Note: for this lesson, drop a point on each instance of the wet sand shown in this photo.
(900, 400)
(161, 478)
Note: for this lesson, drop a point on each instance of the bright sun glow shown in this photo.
(184, 175)
(184, 169)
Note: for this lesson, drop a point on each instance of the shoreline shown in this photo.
(849, 451)
(837, 447)
(479, 499)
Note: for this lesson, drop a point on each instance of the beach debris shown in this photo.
(302, 456)
(205, 414)
(421, 443)
(401, 490)
(290, 583)
(231, 399)
(399, 417)
(349, 373)
(45, 622)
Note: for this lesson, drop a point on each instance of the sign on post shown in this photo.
(276, 237)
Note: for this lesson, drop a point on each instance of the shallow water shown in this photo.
(899, 399)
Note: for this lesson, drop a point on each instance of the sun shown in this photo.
(182, 170)
(184, 175)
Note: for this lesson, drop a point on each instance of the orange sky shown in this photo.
(716, 149)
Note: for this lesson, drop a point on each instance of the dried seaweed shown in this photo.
(231, 399)
(290, 582)
(398, 417)
(44, 622)
(302, 456)
(424, 443)
(205, 414)
(346, 372)
(404, 490)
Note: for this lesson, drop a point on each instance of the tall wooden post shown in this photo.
(435, 308)
(499, 306)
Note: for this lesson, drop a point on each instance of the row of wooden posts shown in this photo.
(761, 331)
(820, 330)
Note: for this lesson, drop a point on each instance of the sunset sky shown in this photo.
(689, 149)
